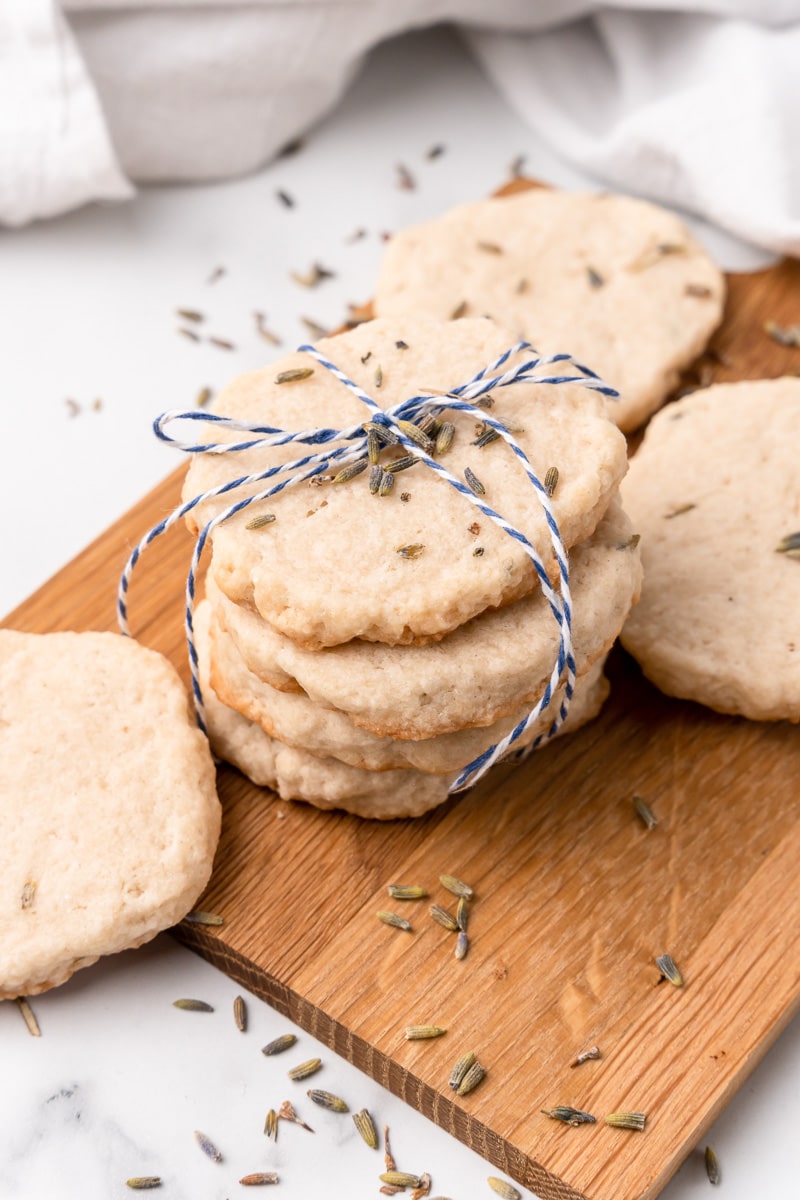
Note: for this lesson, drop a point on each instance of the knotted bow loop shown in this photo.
(471, 397)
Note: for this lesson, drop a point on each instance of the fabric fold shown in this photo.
(692, 111)
(694, 108)
(55, 151)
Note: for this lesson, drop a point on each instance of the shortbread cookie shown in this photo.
(482, 672)
(339, 563)
(110, 811)
(618, 283)
(714, 491)
(296, 720)
(328, 783)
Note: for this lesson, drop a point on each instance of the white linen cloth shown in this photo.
(698, 112)
(55, 151)
(698, 109)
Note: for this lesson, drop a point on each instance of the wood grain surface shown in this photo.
(574, 897)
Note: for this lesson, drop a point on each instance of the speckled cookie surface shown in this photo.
(330, 567)
(483, 671)
(713, 490)
(110, 813)
(296, 720)
(616, 282)
(328, 783)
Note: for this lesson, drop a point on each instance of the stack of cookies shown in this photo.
(361, 642)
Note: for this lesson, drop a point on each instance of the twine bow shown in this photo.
(465, 398)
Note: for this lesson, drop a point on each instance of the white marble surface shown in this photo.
(120, 1079)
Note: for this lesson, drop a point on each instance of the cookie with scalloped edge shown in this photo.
(110, 811)
(484, 671)
(715, 492)
(328, 783)
(619, 283)
(296, 720)
(338, 562)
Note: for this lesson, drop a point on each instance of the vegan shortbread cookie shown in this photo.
(328, 783)
(483, 671)
(296, 720)
(338, 562)
(110, 815)
(619, 283)
(714, 491)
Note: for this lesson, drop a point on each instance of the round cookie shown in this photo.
(110, 812)
(483, 671)
(713, 490)
(618, 283)
(327, 783)
(334, 564)
(296, 720)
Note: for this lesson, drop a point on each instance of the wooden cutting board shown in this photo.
(574, 897)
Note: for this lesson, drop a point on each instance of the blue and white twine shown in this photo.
(459, 399)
